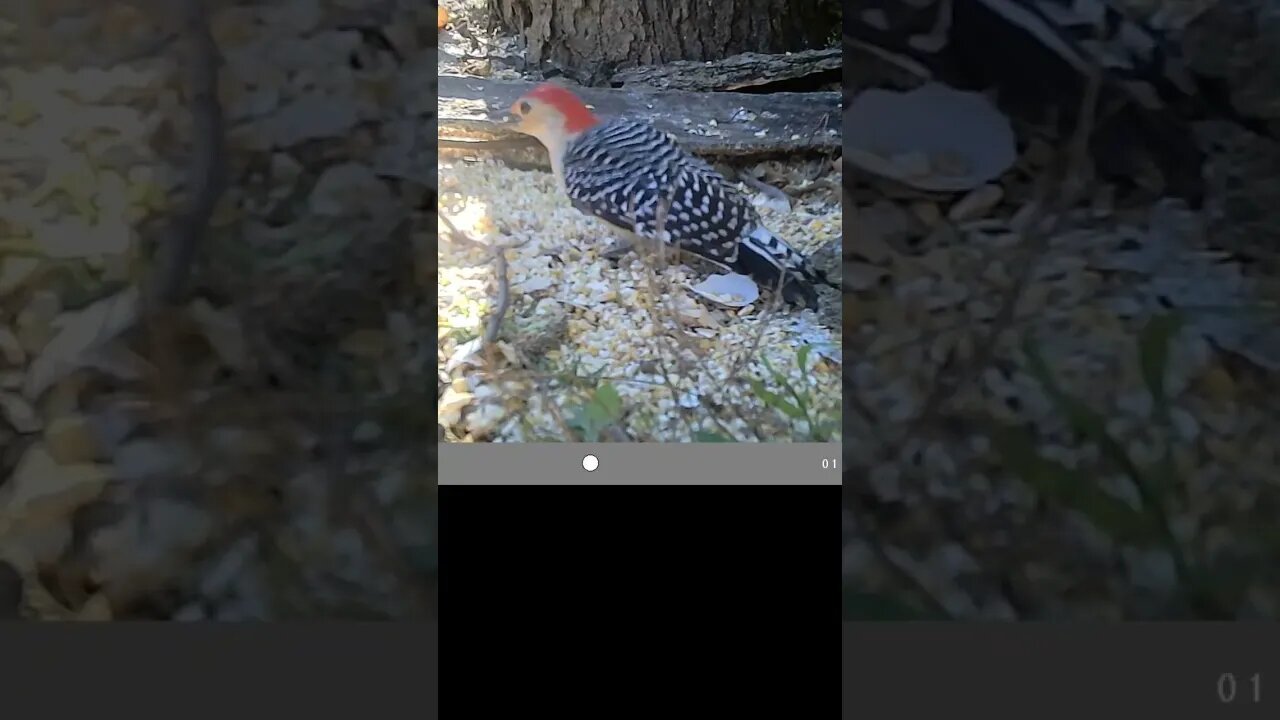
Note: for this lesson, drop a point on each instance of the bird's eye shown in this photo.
(524, 108)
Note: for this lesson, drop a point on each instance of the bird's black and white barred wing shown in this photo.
(619, 171)
(624, 171)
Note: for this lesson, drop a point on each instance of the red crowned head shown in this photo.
(550, 111)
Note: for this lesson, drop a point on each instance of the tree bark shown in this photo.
(590, 39)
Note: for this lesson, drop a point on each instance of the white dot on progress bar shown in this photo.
(590, 462)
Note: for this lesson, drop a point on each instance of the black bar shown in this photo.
(735, 552)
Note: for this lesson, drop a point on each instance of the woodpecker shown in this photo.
(1038, 56)
(626, 172)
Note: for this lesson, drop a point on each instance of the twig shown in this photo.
(765, 188)
(797, 190)
(659, 300)
(741, 360)
(1038, 231)
(207, 173)
(899, 61)
(944, 389)
(736, 366)
(494, 322)
(152, 47)
(663, 301)
(554, 409)
(575, 378)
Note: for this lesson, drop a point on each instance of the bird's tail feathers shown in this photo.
(767, 258)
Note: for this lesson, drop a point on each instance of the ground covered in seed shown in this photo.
(680, 367)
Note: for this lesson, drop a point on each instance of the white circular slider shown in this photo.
(590, 463)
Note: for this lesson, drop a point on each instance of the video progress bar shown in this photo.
(640, 464)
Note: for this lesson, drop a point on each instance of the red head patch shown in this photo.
(577, 116)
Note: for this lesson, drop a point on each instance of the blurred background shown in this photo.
(212, 319)
(1061, 312)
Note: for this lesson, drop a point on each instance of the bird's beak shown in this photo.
(514, 119)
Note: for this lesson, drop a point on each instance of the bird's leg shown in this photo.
(627, 243)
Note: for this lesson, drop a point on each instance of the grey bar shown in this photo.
(1050, 670)
(320, 668)
(641, 464)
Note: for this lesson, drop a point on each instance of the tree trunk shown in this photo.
(590, 39)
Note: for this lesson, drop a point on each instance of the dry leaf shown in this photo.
(147, 546)
(117, 360)
(41, 492)
(223, 332)
(11, 349)
(464, 354)
(79, 333)
(534, 284)
(16, 270)
(19, 413)
(449, 408)
(95, 609)
(310, 117)
(44, 544)
(70, 439)
(348, 188)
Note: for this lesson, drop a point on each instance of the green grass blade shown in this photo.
(1153, 357)
(1052, 480)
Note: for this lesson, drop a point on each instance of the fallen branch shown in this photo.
(748, 70)
(730, 125)
(516, 153)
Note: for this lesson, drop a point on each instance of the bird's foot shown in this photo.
(620, 248)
